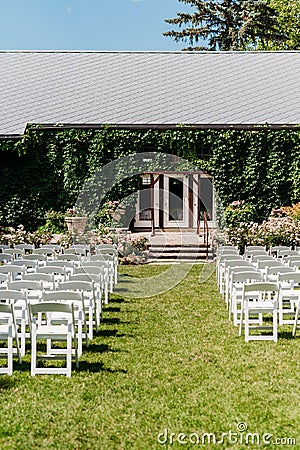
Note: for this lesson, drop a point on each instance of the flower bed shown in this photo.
(281, 228)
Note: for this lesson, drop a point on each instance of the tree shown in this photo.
(227, 25)
(288, 12)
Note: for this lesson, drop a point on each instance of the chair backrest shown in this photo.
(60, 263)
(15, 252)
(263, 287)
(48, 307)
(3, 247)
(274, 270)
(261, 256)
(12, 269)
(236, 263)
(97, 246)
(29, 247)
(68, 257)
(36, 257)
(250, 248)
(102, 257)
(75, 251)
(26, 285)
(29, 263)
(81, 247)
(284, 253)
(6, 257)
(46, 278)
(246, 277)
(9, 295)
(56, 270)
(293, 277)
(106, 251)
(77, 285)
(84, 276)
(56, 247)
(97, 263)
(48, 251)
(264, 263)
(63, 296)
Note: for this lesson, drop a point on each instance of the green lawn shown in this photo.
(170, 362)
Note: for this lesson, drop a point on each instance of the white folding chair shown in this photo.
(19, 301)
(113, 261)
(46, 278)
(228, 266)
(102, 269)
(14, 271)
(275, 250)
(220, 269)
(289, 296)
(259, 299)
(271, 273)
(28, 248)
(53, 331)
(5, 258)
(59, 273)
(238, 278)
(95, 278)
(8, 334)
(76, 298)
(87, 288)
(15, 252)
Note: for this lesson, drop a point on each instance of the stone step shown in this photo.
(187, 255)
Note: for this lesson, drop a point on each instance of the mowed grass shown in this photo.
(158, 367)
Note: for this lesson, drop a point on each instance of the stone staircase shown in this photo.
(180, 247)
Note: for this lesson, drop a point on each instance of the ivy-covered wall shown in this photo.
(46, 169)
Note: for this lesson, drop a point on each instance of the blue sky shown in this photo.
(87, 24)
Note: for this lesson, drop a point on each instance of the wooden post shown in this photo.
(199, 206)
(152, 203)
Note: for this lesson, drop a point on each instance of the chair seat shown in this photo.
(262, 306)
(48, 331)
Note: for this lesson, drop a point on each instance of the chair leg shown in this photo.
(296, 320)
(69, 354)
(10, 351)
(275, 325)
(246, 325)
(33, 353)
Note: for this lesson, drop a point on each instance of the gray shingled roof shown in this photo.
(148, 88)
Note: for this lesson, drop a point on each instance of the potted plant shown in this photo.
(75, 220)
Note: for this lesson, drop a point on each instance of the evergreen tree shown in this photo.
(227, 25)
(289, 20)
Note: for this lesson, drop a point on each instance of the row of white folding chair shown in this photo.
(229, 267)
(59, 330)
(222, 257)
(61, 273)
(288, 298)
(21, 294)
(34, 286)
(37, 283)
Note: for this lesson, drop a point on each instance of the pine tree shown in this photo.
(227, 25)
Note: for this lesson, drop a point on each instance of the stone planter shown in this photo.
(76, 225)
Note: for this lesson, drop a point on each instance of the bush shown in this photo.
(55, 222)
(237, 212)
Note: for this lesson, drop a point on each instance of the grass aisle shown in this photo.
(171, 362)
